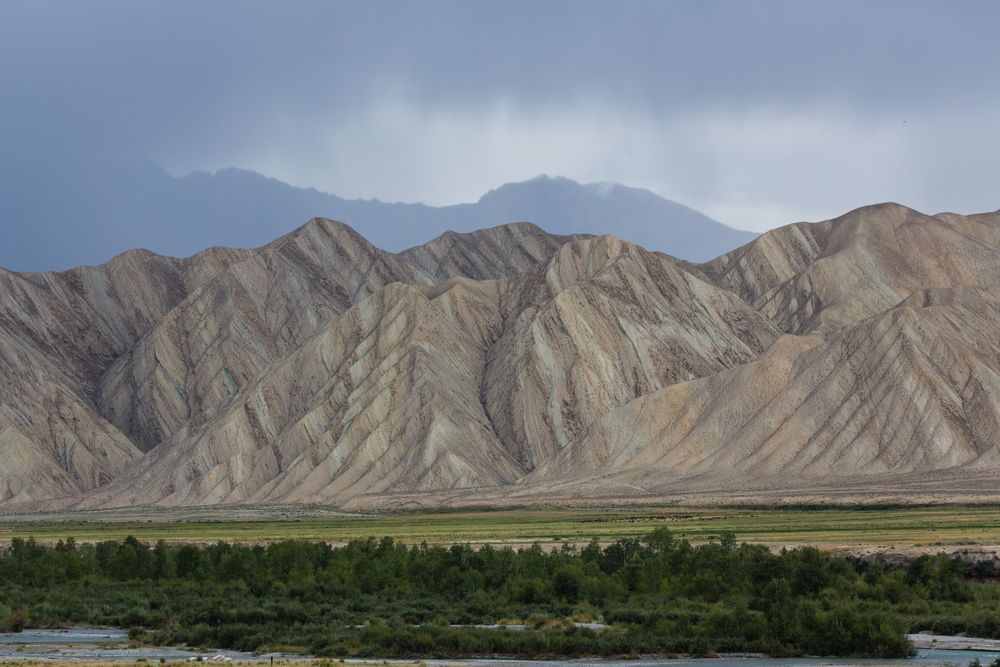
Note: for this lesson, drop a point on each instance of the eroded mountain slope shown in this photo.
(385, 396)
(224, 335)
(405, 390)
(58, 333)
(807, 277)
(604, 321)
(507, 364)
(915, 389)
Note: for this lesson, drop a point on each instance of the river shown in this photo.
(111, 645)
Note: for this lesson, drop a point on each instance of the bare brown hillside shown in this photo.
(506, 365)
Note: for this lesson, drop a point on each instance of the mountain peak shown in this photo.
(562, 205)
(540, 183)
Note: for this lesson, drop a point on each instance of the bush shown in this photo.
(12, 622)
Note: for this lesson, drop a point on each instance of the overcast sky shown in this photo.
(756, 113)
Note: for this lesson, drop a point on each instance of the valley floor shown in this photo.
(972, 531)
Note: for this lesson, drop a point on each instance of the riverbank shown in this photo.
(955, 643)
(91, 647)
(944, 658)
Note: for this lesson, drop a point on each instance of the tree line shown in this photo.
(382, 598)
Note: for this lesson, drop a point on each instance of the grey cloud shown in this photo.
(748, 110)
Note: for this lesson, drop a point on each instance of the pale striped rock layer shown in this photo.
(509, 366)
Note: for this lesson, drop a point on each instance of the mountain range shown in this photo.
(70, 214)
(855, 358)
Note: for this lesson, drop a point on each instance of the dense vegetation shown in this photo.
(659, 595)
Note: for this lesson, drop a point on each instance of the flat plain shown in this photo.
(847, 529)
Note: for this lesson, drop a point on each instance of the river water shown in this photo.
(100, 645)
(111, 645)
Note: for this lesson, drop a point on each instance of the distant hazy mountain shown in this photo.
(562, 206)
(56, 218)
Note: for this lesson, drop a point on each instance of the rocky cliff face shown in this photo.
(504, 362)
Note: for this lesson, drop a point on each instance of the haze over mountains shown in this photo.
(119, 206)
(510, 365)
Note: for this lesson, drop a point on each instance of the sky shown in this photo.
(757, 113)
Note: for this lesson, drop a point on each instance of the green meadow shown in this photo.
(832, 528)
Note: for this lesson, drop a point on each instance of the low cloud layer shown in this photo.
(758, 114)
(754, 168)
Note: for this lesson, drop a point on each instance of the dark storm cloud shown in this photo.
(757, 112)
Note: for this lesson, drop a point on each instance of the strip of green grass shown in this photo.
(829, 527)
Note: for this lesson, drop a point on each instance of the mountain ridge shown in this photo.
(507, 365)
(118, 206)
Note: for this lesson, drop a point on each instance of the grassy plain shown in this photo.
(834, 528)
